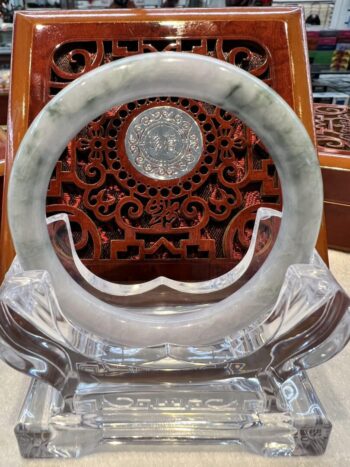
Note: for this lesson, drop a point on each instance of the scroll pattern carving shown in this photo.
(332, 127)
(118, 213)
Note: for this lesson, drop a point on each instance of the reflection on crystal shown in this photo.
(248, 389)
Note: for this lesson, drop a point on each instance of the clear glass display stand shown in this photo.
(250, 388)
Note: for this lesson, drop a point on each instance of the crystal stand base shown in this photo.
(261, 414)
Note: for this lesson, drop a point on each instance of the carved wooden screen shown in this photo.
(119, 214)
(130, 227)
(332, 124)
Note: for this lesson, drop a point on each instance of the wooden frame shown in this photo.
(37, 33)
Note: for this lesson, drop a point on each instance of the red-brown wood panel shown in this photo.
(4, 98)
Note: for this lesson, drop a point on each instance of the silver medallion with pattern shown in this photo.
(164, 143)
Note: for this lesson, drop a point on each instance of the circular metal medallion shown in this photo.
(164, 143)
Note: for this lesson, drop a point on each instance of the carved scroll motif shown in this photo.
(332, 126)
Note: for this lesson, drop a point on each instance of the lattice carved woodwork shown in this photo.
(332, 124)
(72, 59)
(119, 214)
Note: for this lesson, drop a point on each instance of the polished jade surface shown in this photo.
(175, 74)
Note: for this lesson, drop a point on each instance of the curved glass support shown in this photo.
(249, 388)
(262, 240)
(308, 291)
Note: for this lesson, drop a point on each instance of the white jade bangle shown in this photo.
(182, 75)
